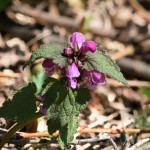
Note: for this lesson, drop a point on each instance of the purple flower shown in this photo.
(73, 83)
(93, 78)
(75, 56)
(88, 46)
(72, 71)
(97, 77)
(49, 66)
(77, 38)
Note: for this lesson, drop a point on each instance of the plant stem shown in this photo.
(15, 128)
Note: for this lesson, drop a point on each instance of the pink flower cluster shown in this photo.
(75, 55)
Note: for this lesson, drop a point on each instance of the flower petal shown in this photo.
(88, 46)
(48, 63)
(93, 78)
(97, 77)
(72, 71)
(73, 83)
(77, 38)
(49, 66)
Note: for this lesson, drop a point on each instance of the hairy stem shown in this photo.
(15, 128)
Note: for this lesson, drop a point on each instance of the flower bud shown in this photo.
(79, 63)
(72, 71)
(77, 39)
(88, 46)
(68, 51)
(49, 66)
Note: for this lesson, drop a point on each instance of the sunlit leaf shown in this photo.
(23, 106)
(101, 62)
(63, 106)
(52, 51)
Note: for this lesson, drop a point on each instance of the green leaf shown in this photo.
(63, 107)
(52, 51)
(23, 105)
(103, 63)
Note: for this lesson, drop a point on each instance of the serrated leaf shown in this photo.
(63, 106)
(103, 63)
(23, 105)
(52, 51)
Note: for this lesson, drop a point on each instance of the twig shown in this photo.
(48, 19)
(91, 140)
(44, 34)
(45, 18)
(132, 83)
(140, 9)
(3, 130)
(31, 141)
(135, 68)
(122, 125)
(38, 134)
(102, 121)
(14, 128)
(10, 75)
(114, 144)
(139, 144)
(128, 50)
(111, 131)
(11, 131)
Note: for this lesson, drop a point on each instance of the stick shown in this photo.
(128, 50)
(132, 83)
(10, 74)
(135, 68)
(145, 14)
(91, 140)
(140, 143)
(111, 131)
(15, 128)
(32, 141)
(45, 18)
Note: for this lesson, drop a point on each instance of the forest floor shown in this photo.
(116, 115)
